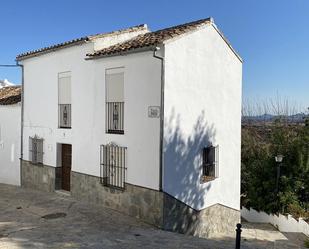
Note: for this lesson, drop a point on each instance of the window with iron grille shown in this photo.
(64, 99)
(64, 116)
(210, 162)
(113, 166)
(114, 117)
(36, 150)
(114, 82)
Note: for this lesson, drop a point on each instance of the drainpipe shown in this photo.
(22, 113)
(161, 118)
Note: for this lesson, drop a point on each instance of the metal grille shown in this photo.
(113, 166)
(65, 116)
(210, 161)
(36, 150)
(114, 117)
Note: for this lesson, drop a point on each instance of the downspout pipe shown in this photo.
(161, 159)
(22, 112)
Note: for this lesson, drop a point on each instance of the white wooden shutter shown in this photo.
(114, 79)
(64, 88)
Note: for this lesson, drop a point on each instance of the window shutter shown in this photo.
(40, 150)
(114, 79)
(64, 88)
(35, 150)
(31, 149)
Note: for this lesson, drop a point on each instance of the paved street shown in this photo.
(33, 219)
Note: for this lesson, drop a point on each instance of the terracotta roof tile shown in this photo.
(150, 39)
(10, 95)
(76, 42)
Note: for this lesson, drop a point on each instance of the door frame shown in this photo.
(66, 167)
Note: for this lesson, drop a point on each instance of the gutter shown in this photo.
(131, 51)
(161, 117)
(22, 119)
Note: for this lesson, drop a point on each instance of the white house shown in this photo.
(10, 130)
(147, 123)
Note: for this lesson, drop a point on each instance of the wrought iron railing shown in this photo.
(113, 166)
(64, 115)
(115, 117)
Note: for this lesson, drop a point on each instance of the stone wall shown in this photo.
(154, 207)
(178, 217)
(40, 177)
(207, 223)
(214, 220)
(142, 203)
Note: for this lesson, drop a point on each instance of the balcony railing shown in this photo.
(114, 117)
(65, 116)
(113, 166)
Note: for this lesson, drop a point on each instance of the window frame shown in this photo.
(65, 74)
(210, 163)
(113, 171)
(115, 108)
(36, 156)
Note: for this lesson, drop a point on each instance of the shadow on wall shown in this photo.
(183, 171)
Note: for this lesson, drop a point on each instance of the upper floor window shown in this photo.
(64, 99)
(36, 150)
(114, 83)
(210, 162)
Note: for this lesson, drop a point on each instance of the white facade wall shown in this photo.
(10, 116)
(142, 84)
(202, 106)
(141, 89)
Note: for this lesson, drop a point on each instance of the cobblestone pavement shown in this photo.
(33, 219)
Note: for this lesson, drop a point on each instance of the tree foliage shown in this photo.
(260, 145)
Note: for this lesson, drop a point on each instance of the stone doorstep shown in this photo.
(63, 192)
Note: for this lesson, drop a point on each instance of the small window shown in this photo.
(64, 100)
(114, 85)
(36, 150)
(210, 163)
(113, 166)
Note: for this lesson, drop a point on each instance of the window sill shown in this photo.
(65, 128)
(208, 178)
(118, 132)
(36, 164)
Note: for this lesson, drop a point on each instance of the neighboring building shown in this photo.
(147, 123)
(5, 83)
(10, 128)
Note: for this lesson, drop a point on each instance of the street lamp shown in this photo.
(279, 159)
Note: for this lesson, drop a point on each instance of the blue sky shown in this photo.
(272, 36)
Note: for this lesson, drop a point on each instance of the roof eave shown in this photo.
(122, 53)
(50, 50)
(227, 42)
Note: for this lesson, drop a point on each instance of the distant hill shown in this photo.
(296, 118)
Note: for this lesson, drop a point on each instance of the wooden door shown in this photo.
(66, 166)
